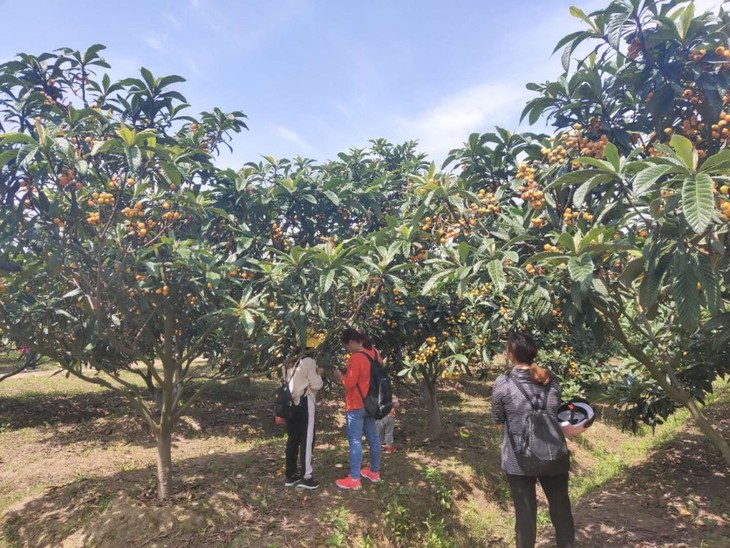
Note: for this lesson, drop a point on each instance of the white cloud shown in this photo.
(157, 43)
(447, 124)
(293, 137)
(174, 21)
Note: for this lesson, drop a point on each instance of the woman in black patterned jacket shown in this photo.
(510, 407)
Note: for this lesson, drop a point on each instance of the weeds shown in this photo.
(339, 520)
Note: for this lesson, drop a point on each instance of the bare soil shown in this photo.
(76, 470)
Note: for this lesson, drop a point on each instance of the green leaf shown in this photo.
(684, 291)
(697, 202)
(614, 27)
(580, 14)
(684, 150)
(582, 191)
(600, 164)
(687, 15)
(570, 179)
(171, 173)
(645, 179)
(248, 321)
(332, 197)
(632, 271)
(717, 162)
(6, 156)
(434, 280)
(652, 283)
(612, 156)
(581, 269)
(15, 138)
(496, 273)
(710, 284)
(326, 281)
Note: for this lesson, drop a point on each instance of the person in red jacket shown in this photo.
(357, 384)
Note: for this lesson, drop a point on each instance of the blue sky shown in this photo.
(317, 77)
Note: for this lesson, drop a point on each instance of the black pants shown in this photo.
(300, 439)
(525, 501)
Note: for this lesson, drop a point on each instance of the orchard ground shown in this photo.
(77, 470)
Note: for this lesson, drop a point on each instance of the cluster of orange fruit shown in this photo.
(720, 130)
(577, 141)
(131, 213)
(724, 204)
(103, 198)
(169, 215)
(140, 227)
(698, 55)
(430, 350)
(570, 216)
(164, 291)
(67, 178)
(538, 222)
(490, 204)
(277, 234)
(530, 191)
(245, 275)
(391, 323)
(446, 230)
(94, 218)
(556, 154)
(480, 291)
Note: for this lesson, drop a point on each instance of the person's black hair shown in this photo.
(351, 334)
(524, 350)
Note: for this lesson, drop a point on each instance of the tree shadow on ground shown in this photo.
(105, 417)
(678, 496)
(235, 499)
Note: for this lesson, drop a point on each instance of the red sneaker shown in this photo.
(348, 483)
(372, 476)
(389, 449)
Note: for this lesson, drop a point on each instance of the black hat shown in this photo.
(576, 412)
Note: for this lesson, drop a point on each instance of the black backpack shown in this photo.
(379, 400)
(283, 399)
(542, 450)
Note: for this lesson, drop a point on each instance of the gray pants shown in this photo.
(385, 429)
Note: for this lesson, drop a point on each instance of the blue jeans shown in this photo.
(357, 421)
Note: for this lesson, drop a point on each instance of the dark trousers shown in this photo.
(525, 501)
(300, 439)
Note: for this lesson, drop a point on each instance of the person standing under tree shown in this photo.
(357, 384)
(513, 400)
(304, 381)
(386, 425)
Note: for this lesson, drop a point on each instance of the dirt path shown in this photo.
(678, 496)
(76, 470)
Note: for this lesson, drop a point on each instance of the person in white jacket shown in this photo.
(304, 381)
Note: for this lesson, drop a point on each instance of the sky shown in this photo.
(317, 77)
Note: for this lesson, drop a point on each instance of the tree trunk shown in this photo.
(673, 388)
(164, 463)
(434, 414)
(167, 411)
(707, 429)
